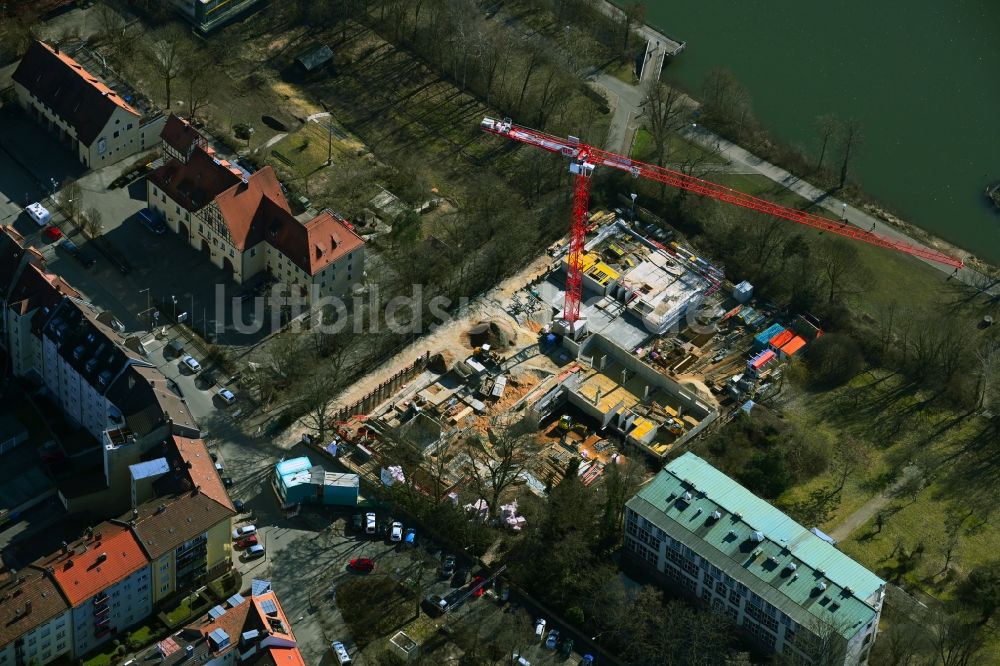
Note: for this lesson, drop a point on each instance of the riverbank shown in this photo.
(862, 211)
(933, 179)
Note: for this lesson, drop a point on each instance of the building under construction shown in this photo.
(634, 287)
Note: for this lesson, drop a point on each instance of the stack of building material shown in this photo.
(480, 508)
(508, 514)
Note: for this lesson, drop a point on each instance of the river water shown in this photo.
(923, 78)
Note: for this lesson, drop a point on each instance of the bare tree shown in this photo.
(71, 199)
(955, 642)
(496, 462)
(989, 357)
(843, 271)
(198, 83)
(92, 222)
(829, 126)
(665, 115)
(850, 140)
(165, 52)
(317, 396)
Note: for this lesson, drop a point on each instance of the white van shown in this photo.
(39, 214)
(340, 652)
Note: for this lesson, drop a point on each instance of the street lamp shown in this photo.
(632, 212)
(844, 212)
(149, 308)
(174, 299)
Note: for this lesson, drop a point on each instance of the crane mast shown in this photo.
(584, 158)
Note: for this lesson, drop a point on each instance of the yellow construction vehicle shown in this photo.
(565, 423)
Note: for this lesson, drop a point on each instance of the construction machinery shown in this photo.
(584, 158)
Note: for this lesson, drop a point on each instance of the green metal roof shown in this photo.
(785, 566)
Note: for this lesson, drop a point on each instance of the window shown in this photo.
(129, 126)
(253, 252)
(116, 133)
(177, 209)
(117, 121)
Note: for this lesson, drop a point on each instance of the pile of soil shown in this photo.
(497, 336)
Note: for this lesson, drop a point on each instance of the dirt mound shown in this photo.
(440, 362)
(496, 335)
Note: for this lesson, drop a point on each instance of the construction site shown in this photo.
(619, 344)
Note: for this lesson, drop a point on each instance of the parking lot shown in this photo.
(32, 162)
(307, 557)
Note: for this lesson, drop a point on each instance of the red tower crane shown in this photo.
(584, 158)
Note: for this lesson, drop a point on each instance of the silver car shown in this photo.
(193, 365)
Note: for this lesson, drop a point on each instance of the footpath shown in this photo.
(627, 101)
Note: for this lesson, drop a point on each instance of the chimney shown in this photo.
(597, 396)
(27, 607)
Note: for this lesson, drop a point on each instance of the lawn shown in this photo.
(901, 428)
(623, 70)
(103, 658)
(183, 611)
(141, 637)
(679, 149)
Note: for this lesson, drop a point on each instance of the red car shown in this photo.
(476, 581)
(52, 233)
(246, 542)
(363, 564)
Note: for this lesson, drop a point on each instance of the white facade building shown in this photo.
(699, 532)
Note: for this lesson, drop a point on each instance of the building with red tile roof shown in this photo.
(252, 630)
(105, 576)
(243, 222)
(94, 119)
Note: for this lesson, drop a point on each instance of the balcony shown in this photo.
(98, 612)
(101, 599)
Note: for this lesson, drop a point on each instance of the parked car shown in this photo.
(219, 468)
(248, 541)
(364, 564)
(410, 537)
(340, 652)
(476, 581)
(566, 647)
(358, 522)
(53, 233)
(228, 482)
(448, 566)
(396, 533)
(588, 660)
(461, 577)
(255, 551)
(226, 396)
(370, 527)
(192, 365)
(540, 628)
(152, 222)
(552, 640)
(239, 506)
(246, 530)
(176, 347)
(516, 658)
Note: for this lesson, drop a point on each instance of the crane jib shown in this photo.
(589, 156)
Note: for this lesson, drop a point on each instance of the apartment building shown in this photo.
(73, 601)
(35, 619)
(98, 378)
(789, 591)
(27, 293)
(97, 122)
(185, 529)
(243, 224)
(245, 630)
(105, 577)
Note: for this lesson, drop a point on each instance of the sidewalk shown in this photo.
(839, 208)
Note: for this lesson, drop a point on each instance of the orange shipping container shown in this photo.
(781, 339)
(794, 345)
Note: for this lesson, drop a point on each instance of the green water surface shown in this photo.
(922, 77)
